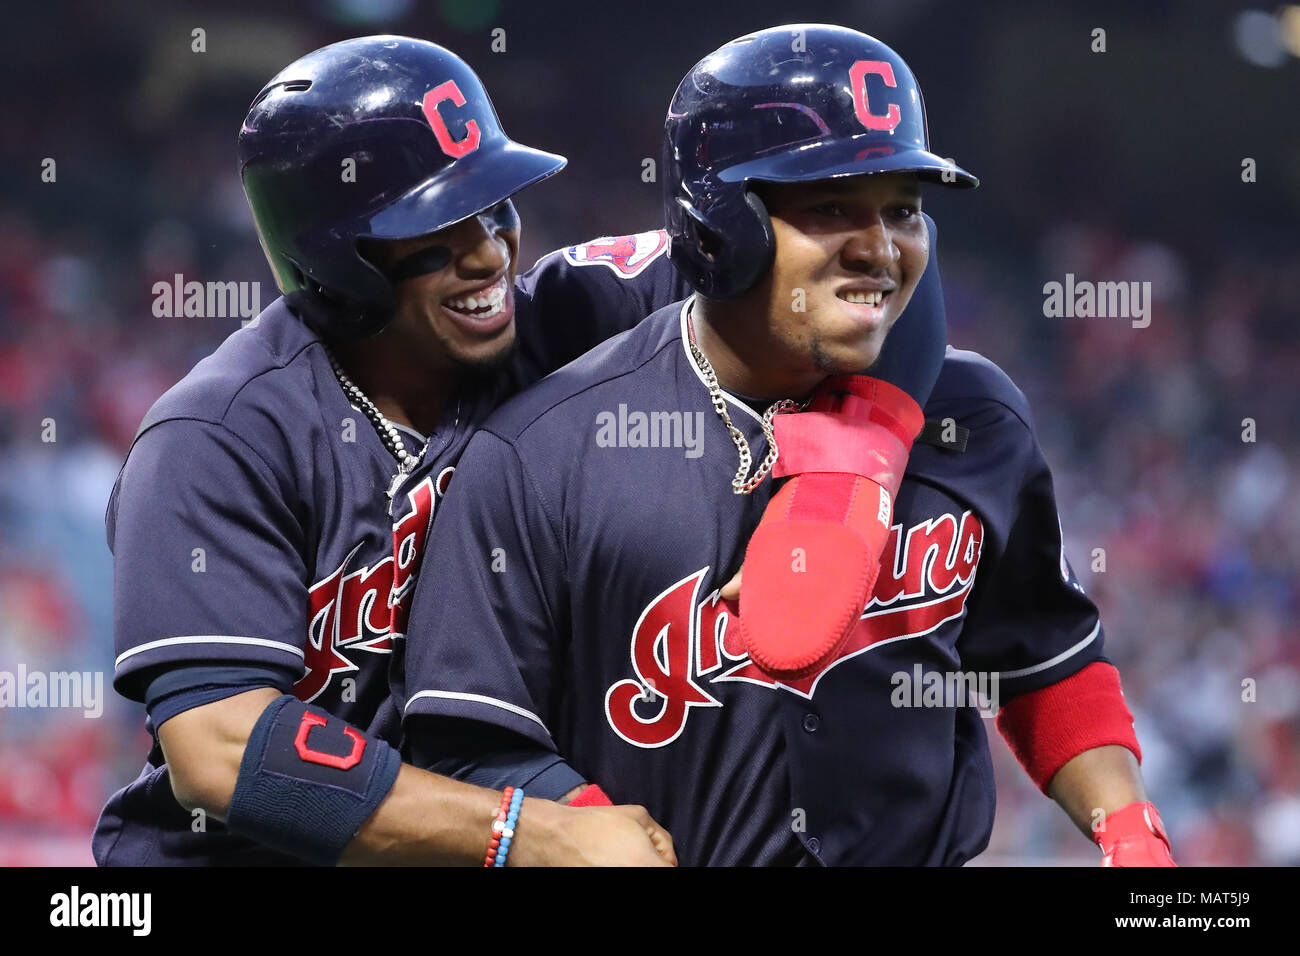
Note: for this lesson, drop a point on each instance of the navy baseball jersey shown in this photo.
(250, 525)
(580, 553)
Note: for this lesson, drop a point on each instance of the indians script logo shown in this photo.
(626, 255)
(926, 574)
(362, 610)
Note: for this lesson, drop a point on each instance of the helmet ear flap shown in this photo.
(749, 252)
(759, 244)
(331, 316)
(708, 242)
(724, 259)
(692, 246)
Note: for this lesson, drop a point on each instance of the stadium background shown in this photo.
(1122, 165)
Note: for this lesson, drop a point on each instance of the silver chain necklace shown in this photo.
(741, 484)
(387, 431)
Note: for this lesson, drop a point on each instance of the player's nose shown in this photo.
(870, 244)
(482, 250)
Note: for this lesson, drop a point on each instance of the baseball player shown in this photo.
(271, 518)
(577, 603)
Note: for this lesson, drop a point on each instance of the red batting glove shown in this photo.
(1134, 836)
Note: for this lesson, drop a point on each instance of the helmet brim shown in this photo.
(856, 156)
(479, 181)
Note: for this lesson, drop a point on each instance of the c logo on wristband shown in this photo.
(338, 761)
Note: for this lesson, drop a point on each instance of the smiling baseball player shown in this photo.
(270, 522)
(578, 601)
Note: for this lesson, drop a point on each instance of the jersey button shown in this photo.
(811, 723)
(814, 844)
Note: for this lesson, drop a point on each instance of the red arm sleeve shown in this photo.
(1047, 728)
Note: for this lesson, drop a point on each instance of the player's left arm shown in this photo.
(1061, 709)
(1096, 783)
(1076, 740)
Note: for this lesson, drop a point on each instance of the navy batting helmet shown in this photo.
(380, 137)
(788, 104)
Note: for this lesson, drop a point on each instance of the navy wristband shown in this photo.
(308, 781)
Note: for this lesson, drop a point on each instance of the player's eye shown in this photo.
(502, 216)
(907, 211)
(831, 209)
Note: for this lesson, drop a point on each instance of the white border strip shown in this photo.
(1026, 671)
(209, 639)
(479, 698)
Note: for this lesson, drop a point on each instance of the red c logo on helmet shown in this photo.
(311, 755)
(455, 148)
(858, 83)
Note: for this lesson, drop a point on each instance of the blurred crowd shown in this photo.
(1174, 454)
(1173, 448)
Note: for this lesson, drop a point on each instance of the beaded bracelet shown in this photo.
(498, 825)
(508, 831)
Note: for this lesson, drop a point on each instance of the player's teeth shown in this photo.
(864, 298)
(490, 299)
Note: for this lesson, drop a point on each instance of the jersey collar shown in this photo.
(731, 400)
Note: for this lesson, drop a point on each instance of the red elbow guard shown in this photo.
(1047, 728)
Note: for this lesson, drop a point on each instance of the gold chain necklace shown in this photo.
(741, 484)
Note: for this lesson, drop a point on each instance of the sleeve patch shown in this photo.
(626, 256)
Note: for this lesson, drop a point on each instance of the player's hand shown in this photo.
(1134, 836)
(549, 834)
(661, 838)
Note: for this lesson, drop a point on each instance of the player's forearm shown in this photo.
(1101, 779)
(427, 820)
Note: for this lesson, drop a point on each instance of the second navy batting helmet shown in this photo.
(380, 137)
(789, 104)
